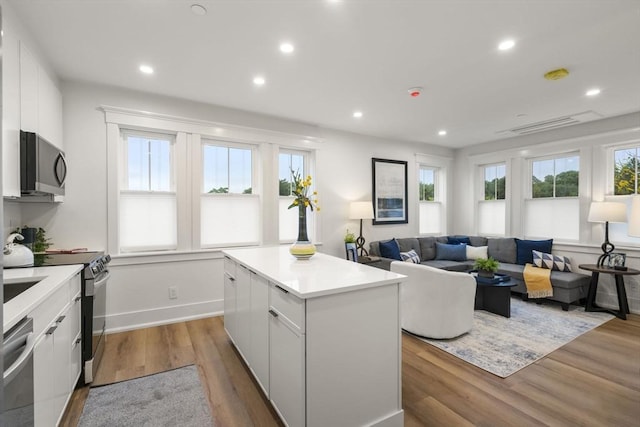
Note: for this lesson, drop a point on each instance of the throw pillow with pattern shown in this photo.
(411, 256)
(551, 262)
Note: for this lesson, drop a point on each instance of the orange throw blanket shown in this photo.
(538, 281)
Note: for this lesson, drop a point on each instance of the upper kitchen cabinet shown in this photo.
(40, 100)
(10, 113)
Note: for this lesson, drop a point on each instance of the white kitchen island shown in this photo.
(322, 336)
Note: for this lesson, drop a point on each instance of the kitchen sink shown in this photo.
(12, 290)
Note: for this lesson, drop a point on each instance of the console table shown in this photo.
(623, 303)
(321, 336)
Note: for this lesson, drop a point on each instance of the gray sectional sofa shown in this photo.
(568, 287)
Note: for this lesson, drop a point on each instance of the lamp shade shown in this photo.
(634, 219)
(361, 210)
(607, 212)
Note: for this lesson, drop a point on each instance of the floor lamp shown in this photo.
(634, 219)
(607, 212)
(361, 211)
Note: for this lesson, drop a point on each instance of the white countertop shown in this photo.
(320, 275)
(50, 279)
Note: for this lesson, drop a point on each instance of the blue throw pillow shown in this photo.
(525, 248)
(451, 252)
(390, 249)
(458, 240)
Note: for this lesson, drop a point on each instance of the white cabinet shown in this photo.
(230, 316)
(331, 353)
(10, 113)
(56, 366)
(40, 100)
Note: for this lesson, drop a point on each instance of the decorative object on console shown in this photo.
(487, 267)
(607, 212)
(634, 218)
(389, 191)
(361, 211)
(616, 260)
(302, 248)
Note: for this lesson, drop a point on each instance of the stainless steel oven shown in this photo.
(95, 277)
(17, 352)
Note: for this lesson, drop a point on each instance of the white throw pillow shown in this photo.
(475, 252)
(411, 256)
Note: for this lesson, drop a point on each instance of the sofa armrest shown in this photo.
(383, 263)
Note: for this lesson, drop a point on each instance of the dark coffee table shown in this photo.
(494, 295)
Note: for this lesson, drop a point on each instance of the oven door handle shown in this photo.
(92, 287)
(12, 371)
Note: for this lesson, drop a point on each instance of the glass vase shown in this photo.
(302, 248)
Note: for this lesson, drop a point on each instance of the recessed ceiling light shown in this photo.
(259, 80)
(286, 48)
(198, 9)
(357, 114)
(506, 44)
(442, 132)
(146, 69)
(593, 92)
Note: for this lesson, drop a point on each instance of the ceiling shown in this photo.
(359, 55)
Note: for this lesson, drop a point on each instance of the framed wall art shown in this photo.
(389, 191)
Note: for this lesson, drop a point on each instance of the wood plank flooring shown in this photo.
(592, 381)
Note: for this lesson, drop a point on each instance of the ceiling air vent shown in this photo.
(554, 123)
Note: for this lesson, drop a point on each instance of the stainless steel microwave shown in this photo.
(43, 168)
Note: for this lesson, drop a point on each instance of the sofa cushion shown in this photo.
(427, 248)
(478, 240)
(525, 248)
(390, 249)
(407, 244)
(451, 252)
(456, 240)
(474, 252)
(551, 262)
(410, 256)
(502, 249)
(449, 265)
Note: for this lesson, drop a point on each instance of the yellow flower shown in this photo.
(295, 202)
(315, 193)
(306, 203)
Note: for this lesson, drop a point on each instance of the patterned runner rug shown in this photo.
(171, 398)
(503, 345)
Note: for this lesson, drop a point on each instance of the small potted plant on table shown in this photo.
(487, 267)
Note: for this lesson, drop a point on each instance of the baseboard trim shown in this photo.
(122, 322)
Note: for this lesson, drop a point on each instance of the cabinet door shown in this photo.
(28, 90)
(49, 110)
(259, 355)
(230, 315)
(287, 365)
(43, 383)
(76, 340)
(61, 362)
(243, 310)
(10, 114)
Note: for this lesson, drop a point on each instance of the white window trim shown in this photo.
(439, 194)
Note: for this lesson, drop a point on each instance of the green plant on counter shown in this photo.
(486, 264)
(349, 237)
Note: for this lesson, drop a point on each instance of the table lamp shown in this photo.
(361, 210)
(607, 212)
(634, 219)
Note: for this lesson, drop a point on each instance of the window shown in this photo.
(430, 208)
(492, 206)
(626, 171)
(148, 217)
(554, 208)
(555, 177)
(296, 161)
(229, 207)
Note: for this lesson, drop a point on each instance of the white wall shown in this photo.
(138, 292)
(591, 140)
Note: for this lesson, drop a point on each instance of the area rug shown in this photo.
(171, 398)
(503, 345)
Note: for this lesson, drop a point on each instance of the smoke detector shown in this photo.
(415, 91)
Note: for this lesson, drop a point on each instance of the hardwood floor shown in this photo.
(592, 381)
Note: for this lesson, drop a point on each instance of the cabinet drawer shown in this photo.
(45, 314)
(230, 267)
(288, 305)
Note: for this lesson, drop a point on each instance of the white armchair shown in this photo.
(435, 303)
